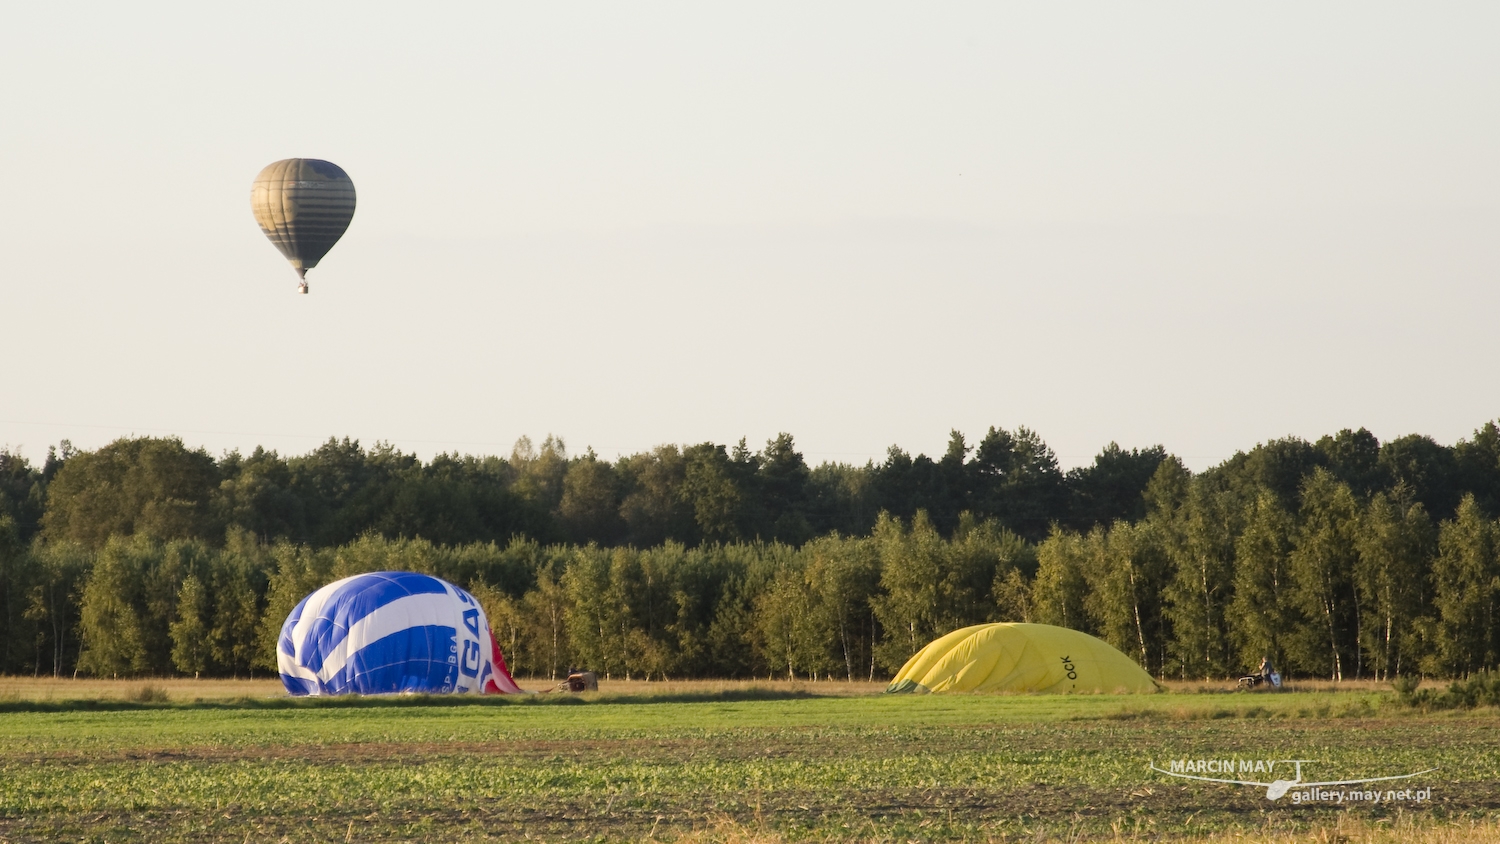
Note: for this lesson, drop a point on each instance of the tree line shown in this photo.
(688, 494)
(1344, 557)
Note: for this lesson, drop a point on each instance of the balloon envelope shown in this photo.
(388, 632)
(304, 205)
(1015, 657)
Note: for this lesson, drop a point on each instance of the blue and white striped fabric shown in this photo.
(388, 632)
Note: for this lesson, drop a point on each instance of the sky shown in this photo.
(1200, 225)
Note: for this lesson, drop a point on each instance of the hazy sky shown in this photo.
(1203, 225)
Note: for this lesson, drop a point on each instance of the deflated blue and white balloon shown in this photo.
(388, 632)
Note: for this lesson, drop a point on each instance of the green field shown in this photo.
(739, 764)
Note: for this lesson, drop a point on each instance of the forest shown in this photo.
(1341, 558)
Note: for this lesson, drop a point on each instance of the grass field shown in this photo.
(237, 761)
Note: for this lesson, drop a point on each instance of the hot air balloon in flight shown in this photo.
(303, 205)
(388, 632)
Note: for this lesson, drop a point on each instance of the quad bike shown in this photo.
(1255, 681)
(580, 681)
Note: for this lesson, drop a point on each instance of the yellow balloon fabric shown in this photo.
(1020, 658)
(303, 205)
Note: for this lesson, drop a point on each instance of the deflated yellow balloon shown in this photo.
(1015, 657)
(304, 205)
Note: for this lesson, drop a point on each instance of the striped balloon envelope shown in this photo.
(303, 205)
(388, 632)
